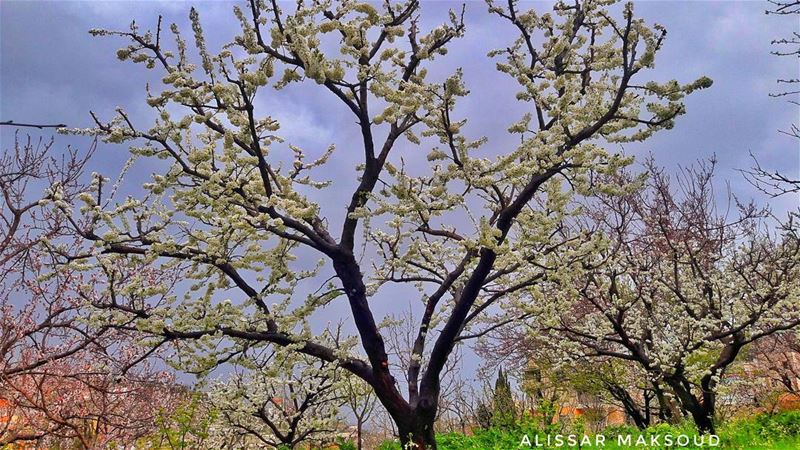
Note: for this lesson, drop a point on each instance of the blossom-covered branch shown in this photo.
(475, 229)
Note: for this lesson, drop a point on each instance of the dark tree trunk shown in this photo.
(703, 408)
(633, 411)
(639, 420)
(416, 430)
(417, 434)
(414, 418)
(709, 395)
(702, 412)
(666, 412)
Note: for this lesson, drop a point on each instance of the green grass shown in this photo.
(763, 432)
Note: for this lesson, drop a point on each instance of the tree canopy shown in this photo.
(237, 208)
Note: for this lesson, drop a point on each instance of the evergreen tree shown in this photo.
(505, 411)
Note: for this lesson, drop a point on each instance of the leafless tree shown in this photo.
(787, 46)
(361, 401)
(777, 182)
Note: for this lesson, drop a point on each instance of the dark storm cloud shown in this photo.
(53, 71)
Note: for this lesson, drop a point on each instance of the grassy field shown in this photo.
(762, 432)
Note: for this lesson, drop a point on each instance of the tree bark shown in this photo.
(414, 418)
(703, 409)
(417, 433)
(359, 437)
(665, 411)
(702, 412)
(633, 411)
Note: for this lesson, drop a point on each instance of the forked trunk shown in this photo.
(702, 412)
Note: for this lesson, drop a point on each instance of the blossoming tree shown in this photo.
(61, 378)
(285, 400)
(474, 228)
(680, 289)
(550, 384)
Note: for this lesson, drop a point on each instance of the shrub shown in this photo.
(345, 444)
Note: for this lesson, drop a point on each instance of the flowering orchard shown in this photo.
(476, 228)
(680, 288)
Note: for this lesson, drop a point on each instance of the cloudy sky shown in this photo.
(51, 70)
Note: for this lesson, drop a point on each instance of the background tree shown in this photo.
(777, 182)
(504, 409)
(286, 401)
(769, 370)
(77, 404)
(787, 46)
(400, 331)
(26, 174)
(550, 386)
(457, 407)
(361, 402)
(613, 382)
(470, 230)
(187, 425)
(483, 415)
(779, 360)
(62, 380)
(681, 289)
